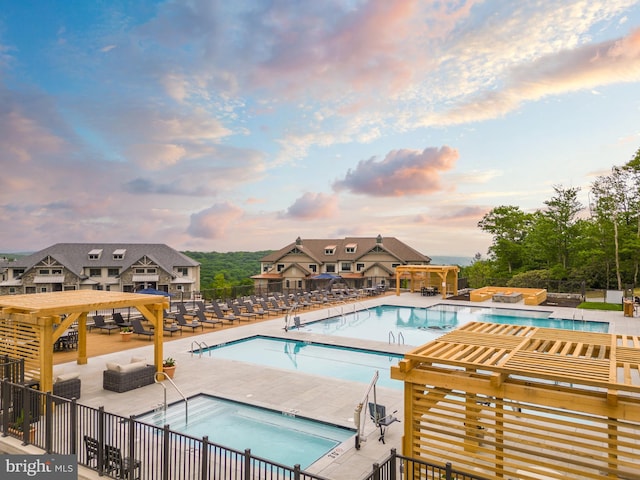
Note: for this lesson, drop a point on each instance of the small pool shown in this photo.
(346, 363)
(280, 437)
(417, 326)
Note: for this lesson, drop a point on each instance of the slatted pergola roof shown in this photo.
(571, 397)
(27, 324)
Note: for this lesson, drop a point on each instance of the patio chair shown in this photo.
(99, 322)
(184, 312)
(378, 414)
(183, 323)
(136, 324)
(217, 311)
(202, 318)
(258, 311)
(241, 315)
(270, 311)
(118, 465)
(92, 449)
(120, 321)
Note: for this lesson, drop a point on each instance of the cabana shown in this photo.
(511, 401)
(443, 278)
(30, 325)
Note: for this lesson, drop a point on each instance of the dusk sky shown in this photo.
(241, 125)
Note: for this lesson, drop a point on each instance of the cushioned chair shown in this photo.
(67, 386)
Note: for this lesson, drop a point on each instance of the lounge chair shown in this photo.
(184, 312)
(378, 414)
(236, 311)
(99, 322)
(267, 308)
(274, 305)
(202, 318)
(217, 311)
(136, 324)
(183, 323)
(120, 321)
(258, 311)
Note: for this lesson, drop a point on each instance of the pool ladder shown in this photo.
(201, 347)
(164, 403)
(392, 338)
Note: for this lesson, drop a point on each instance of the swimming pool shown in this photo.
(353, 364)
(280, 437)
(417, 326)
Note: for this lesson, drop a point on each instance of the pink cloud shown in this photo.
(213, 222)
(402, 172)
(313, 206)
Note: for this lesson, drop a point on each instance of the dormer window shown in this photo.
(95, 254)
(330, 250)
(351, 248)
(119, 253)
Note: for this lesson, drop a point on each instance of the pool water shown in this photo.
(417, 326)
(353, 364)
(277, 436)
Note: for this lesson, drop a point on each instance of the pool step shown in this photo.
(199, 409)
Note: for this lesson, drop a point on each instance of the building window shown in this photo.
(266, 267)
(43, 289)
(56, 271)
(180, 288)
(359, 267)
(351, 248)
(280, 267)
(330, 250)
(313, 268)
(286, 283)
(151, 270)
(17, 272)
(113, 272)
(331, 267)
(43, 271)
(300, 284)
(12, 290)
(139, 270)
(183, 271)
(345, 267)
(95, 254)
(119, 253)
(95, 272)
(394, 265)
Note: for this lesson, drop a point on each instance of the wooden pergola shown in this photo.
(30, 324)
(509, 401)
(442, 277)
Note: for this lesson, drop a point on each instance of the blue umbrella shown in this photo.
(325, 276)
(153, 291)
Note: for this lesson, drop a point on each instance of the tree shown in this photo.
(562, 218)
(509, 226)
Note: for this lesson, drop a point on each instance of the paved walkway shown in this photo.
(326, 399)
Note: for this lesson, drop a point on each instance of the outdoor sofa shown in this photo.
(129, 376)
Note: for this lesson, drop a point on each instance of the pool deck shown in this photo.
(326, 399)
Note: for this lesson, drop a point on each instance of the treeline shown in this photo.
(565, 242)
(220, 270)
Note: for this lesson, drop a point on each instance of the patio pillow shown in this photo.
(130, 367)
(112, 366)
(66, 376)
(138, 359)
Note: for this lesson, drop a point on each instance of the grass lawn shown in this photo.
(613, 307)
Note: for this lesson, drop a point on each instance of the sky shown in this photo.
(240, 126)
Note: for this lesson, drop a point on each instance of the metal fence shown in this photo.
(121, 447)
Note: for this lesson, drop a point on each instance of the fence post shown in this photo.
(447, 471)
(247, 464)
(204, 471)
(131, 448)
(101, 441)
(392, 465)
(73, 426)
(296, 471)
(165, 453)
(48, 422)
(5, 388)
(376, 472)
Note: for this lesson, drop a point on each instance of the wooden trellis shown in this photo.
(509, 401)
(30, 324)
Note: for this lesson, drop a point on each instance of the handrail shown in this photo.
(400, 336)
(186, 401)
(392, 337)
(201, 345)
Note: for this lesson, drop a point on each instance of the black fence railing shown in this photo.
(121, 447)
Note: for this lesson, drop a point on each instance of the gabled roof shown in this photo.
(75, 256)
(314, 248)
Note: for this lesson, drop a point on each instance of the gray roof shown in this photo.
(314, 248)
(75, 256)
